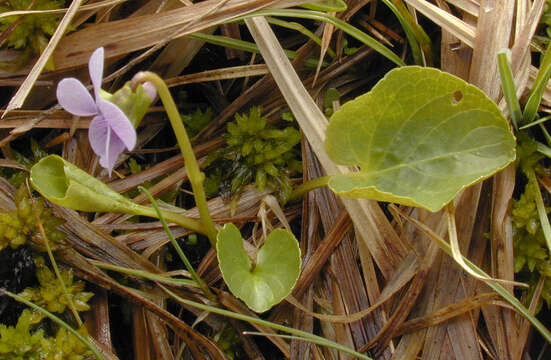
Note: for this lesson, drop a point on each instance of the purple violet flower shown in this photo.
(110, 130)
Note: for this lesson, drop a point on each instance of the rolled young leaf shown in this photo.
(419, 137)
(65, 184)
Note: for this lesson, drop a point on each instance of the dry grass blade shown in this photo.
(449, 312)
(123, 36)
(447, 21)
(19, 97)
(219, 74)
(94, 6)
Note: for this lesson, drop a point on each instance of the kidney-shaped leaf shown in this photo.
(270, 279)
(419, 137)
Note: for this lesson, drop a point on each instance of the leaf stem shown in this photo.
(308, 186)
(57, 320)
(170, 216)
(183, 257)
(196, 176)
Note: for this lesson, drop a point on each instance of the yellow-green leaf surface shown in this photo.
(419, 137)
(267, 281)
(65, 184)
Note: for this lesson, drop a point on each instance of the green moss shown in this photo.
(50, 294)
(18, 343)
(255, 152)
(18, 227)
(32, 33)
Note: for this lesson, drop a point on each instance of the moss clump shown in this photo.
(18, 227)
(30, 33)
(255, 151)
(50, 294)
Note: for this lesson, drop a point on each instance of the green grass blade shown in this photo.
(534, 123)
(301, 29)
(242, 45)
(411, 33)
(329, 6)
(544, 149)
(509, 88)
(302, 334)
(177, 247)
(542, 213)
(531, 108)
(341, 25)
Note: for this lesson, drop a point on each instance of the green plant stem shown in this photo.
(196, 176)
(313, 184)
(52, 259)
(302, 334)
(183, 257)
(509, 88)
(341, 25)
(57, 320)
(170, 216)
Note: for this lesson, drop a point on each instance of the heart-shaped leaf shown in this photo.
(419, 137)
(270, 279)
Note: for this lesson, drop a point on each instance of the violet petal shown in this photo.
(95, 67)
(97, 135)
(118, 122)
(116, 147)
(74, 98)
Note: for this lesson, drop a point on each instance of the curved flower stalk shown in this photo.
(110, 130)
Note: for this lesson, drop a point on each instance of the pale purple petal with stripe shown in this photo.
(118, 122)
(74, 98)
(95, 67)
(116, 147)
(97, 135)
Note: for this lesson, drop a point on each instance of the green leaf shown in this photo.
(271, 279)
(419, 137)
(65, 184)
